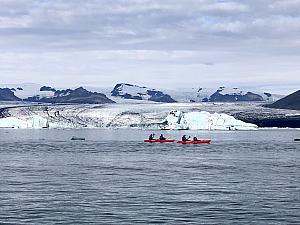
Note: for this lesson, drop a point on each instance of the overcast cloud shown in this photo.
(160, 43)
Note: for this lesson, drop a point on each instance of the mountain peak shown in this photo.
(130, 91)
(76, 96)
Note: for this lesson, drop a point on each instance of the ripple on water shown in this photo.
(251, 181)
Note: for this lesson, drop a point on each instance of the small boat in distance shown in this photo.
(77, 139)
(297, 139)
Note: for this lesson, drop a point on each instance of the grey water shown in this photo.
(113, 177)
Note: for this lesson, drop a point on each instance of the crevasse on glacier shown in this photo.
(148, 116)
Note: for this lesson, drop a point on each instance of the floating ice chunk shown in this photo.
(205, 121)
(33, 122)
(12, 122)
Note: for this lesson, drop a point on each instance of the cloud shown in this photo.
(133, 24)
(184, 36)
(285, 6)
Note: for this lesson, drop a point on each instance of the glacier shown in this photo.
(143, 116)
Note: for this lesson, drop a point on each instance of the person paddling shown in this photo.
(195, 139)
(161, 137)
(184, 138)
(151, 136)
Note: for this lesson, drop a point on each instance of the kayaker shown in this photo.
(184, 138)
(195, 139)
(161, 137)
(151, 136)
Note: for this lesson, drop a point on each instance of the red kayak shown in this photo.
(194, 142)
(159, 141)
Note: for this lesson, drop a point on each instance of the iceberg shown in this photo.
(12, 122)
(178, 120)
(32, 122)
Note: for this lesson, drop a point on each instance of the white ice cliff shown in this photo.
(205, 121)
(31, 122)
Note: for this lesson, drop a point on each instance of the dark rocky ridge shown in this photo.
(248, 97)
(269, 120)
(158, 96)
(7, 94)
(291, 101)
(77, 96)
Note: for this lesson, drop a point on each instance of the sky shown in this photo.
(157, 43)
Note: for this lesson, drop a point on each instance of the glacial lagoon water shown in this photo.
(247, 177)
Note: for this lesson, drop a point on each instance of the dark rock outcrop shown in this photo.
(268, 119)
(291, 101)
(6, 94)
(249, 96)
(158, 96)
(47, 88)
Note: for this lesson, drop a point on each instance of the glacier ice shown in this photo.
(153, 116)
(204, 121)
(32, 122)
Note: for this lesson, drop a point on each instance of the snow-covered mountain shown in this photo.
(129, 91)
(78, 96)
(46, 94)
(221, 94)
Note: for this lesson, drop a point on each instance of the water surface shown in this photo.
(248, 177)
